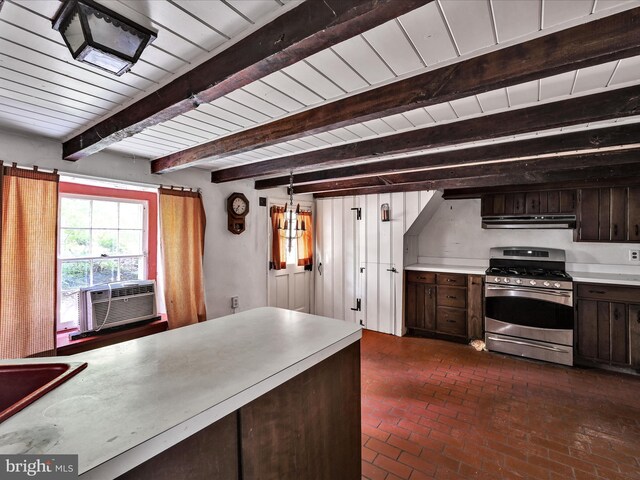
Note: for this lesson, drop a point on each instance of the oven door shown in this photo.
(534, 313)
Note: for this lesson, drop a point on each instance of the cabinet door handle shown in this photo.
(615, 229)
(616, 314)
(599, 292)
(637, 230)
(430, 293)
(638, 319)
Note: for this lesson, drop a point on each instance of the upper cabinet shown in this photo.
(528, 203)
(608, 215)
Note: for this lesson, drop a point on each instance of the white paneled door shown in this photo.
(291, 287)
(362, 257)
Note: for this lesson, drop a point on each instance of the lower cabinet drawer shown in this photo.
(452, 296)
(421, 277)
(451, 320)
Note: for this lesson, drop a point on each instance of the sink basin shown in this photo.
(22, 384)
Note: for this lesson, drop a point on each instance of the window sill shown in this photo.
(66, 346)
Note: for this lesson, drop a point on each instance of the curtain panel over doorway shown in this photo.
(278, 242)
(28, 248)
(182, 226)
(305, 241)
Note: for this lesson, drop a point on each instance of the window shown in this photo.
(102, 239)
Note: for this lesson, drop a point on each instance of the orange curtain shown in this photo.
(28, 262)
(278, 242)
(305, 241)
(182, 224)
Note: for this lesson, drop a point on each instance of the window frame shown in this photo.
(147, 199)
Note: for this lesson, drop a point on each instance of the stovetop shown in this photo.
(528, 267)
(532, 272)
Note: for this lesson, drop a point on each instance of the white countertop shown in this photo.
(611, 278)
(428, 267)
(137, 398)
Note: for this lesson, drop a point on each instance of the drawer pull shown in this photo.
(451, 296)
(599, 292)
(422, 278)
(450, 280)
(450, 321)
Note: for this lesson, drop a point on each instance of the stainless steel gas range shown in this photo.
(529, 304)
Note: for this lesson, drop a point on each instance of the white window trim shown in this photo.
(145, 245)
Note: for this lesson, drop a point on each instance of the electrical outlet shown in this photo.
(634, 255)
(235, 302)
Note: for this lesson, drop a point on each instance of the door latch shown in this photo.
(358, 213)
(358, 305)
(392, 269)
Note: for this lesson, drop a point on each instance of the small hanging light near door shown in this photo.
(385, 215)
(101, 37)
(292, 228)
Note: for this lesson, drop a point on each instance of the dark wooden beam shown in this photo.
(568, 178)
(477, 192)
(618, 103)
(597, 42)
(564, 142)
(306, 29)
(516, 168)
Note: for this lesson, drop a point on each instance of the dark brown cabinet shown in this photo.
(529, 203)
(444, 304)
(607, 329)
(608, 215)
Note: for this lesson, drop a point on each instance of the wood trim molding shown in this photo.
(304, 30)
(564, 142)
(623, 102)
(556, 53)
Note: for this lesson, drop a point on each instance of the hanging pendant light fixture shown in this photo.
(101, 37)
(292, 228)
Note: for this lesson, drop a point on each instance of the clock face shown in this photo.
(239, 206)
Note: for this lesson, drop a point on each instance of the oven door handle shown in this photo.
(516, 342)
(564, 298)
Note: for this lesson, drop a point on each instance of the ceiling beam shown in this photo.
(574, 111)
(304, 30)
(564, 142)
(593, 43)
(516, 168)
(608, 175)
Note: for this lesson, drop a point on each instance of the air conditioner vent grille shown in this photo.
(131, 290)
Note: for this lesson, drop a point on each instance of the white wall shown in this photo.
(455, 232)
(233, 264)
(343, 245)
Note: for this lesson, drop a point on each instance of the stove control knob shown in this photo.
(518, 281)
(557, 284)
(532, 282)
(506, 280)
(497, 279)
(546, 284)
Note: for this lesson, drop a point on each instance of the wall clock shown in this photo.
(237, 209)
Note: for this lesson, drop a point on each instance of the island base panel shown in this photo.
(309, 427)
(210, 454)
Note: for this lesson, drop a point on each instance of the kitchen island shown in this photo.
(266, 393)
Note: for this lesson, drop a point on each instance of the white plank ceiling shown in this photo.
(44, 92)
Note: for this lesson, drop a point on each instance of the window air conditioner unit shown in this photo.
(114, 304)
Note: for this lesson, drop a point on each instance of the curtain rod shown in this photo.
(103, 179)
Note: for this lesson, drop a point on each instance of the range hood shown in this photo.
(529, 221)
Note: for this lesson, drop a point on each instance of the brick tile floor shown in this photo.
(435, 409)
